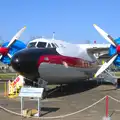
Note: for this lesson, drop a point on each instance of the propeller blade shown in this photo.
(106, 65)
(1, 56)
(9, 55)
(105, 35)
(16, 37)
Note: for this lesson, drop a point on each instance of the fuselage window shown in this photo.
(32, 44)
(41, 44)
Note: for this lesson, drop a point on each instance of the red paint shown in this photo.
(106, 106)
(15, 81)
(59, 59)
(118, 49)
(3, 50)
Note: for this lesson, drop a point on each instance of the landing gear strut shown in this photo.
(61, 87)
(42, 83)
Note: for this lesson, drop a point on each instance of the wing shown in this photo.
(98, 48)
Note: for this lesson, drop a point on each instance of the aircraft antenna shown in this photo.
(53, 37)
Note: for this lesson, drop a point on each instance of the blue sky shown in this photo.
(71, 20)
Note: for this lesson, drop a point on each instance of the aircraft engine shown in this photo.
(9, 48)
(16, 46)
(114, 51)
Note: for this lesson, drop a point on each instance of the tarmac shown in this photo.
(69, 104)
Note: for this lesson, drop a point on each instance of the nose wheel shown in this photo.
(43, 84)
(39, 83)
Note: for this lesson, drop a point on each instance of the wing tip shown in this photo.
(24, 26)
(95, 76)
(94, 25)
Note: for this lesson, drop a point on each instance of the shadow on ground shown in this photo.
(74, 88)
(47, 110)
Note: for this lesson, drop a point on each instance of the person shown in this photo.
(117, 83)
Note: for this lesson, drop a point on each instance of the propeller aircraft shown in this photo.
(57, 61)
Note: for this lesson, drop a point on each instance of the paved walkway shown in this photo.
(72, 99)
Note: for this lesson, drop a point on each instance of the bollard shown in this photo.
(107, 116)
(13, 89)
(10, 89)
(106, 106)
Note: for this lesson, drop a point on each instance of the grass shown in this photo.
(117, 74)
(7, 75)
(11, 76)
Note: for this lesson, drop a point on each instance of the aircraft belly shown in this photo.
(58, 74)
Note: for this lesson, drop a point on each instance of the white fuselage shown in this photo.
(59, 73)
(58, 62)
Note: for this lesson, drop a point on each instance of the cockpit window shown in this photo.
(32, 44)
(41, 44)
(56, 45)
(49, 46)
(53, 45)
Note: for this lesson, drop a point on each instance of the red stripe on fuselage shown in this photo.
(59, 59)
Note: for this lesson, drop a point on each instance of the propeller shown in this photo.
(5, 50)
(105, 35)
(105, 65)
(113, 43)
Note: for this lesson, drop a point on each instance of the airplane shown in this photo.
(57, 62)
(9, 48)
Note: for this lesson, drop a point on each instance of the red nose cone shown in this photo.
(3, 50)
(118, 49)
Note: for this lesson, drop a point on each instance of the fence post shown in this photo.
(107, 107)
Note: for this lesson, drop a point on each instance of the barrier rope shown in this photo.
(55, 117)
(114, 98)
(61, 116)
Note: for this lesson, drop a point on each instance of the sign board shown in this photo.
(31, 92)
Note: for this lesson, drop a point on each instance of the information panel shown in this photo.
(31, 92)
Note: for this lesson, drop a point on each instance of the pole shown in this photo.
(5, 92)
(21, 105)
(39, 107)
(106, 116)
(53, 35)
(106, 106)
